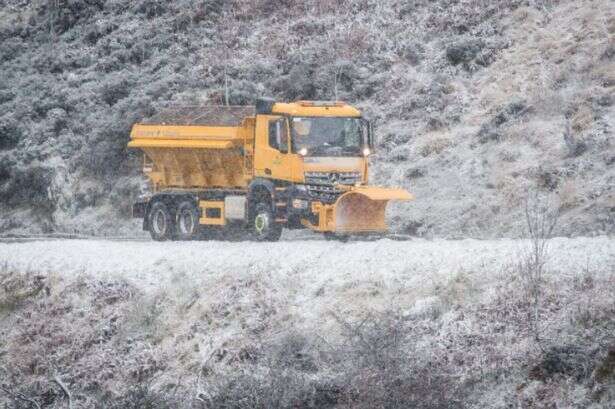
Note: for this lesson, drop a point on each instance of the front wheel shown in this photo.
(161, 222)
(338, 237)
(263, 226)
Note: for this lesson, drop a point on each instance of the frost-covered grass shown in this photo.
(307, 323)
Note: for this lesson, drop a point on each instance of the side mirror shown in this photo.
(278, 135)
(274, 134)
(372, 137)
(283, 136)
(369, 135)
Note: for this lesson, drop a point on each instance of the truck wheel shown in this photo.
(187, 220)
(264, 227)
(161, 222)
(338, 237)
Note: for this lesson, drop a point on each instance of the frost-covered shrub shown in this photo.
(434, 146)
(151, 8)
(300, 82)
(243, 93)
(113, 92)
(491, 130)
(125, 192)
(384, 371)
(571, 361)
(413, 52)
(207, 10)
(278, 388)
(11, 48)
(464, 51)
(29, 185)
(17, 288)
(57, 119)
(10, 132)
(60, 16)
(142, 395)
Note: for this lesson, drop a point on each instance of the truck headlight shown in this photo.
(300, 204)
(366, 151)
(303, 151)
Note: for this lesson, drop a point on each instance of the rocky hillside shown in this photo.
(475, 102)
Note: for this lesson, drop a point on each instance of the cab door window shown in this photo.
(278, 134)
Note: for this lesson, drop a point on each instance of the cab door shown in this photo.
(272, 157)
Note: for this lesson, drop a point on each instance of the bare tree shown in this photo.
(541, 218)
(347, 42)
(222, 54)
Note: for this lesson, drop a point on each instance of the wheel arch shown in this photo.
(259, 188)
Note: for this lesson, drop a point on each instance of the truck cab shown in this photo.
(314, 142)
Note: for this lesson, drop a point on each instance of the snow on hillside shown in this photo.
(474, 101)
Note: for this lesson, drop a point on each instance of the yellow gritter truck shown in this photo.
(258, 170)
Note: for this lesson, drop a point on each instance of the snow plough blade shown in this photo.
(359, 210)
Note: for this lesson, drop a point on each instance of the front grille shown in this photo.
(323, 193)
(332, 178)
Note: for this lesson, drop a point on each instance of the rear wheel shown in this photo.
(161, 222)
(187, 220)
(334, 236)
(263, 226)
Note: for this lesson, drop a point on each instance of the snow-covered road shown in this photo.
(152, 262)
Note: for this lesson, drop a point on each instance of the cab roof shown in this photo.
(315, 108)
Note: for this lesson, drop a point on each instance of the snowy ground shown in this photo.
(172, 308)
(393, 273)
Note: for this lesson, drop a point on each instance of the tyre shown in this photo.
(187, 220)
(263, 225)
(338, 237)
(161, 222)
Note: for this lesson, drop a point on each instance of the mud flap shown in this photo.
(360, 210)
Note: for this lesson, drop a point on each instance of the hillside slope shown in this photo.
(475, 101)
(337, 325)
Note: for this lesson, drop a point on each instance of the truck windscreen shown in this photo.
(327, 136)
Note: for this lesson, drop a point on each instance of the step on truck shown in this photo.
(256, 170)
